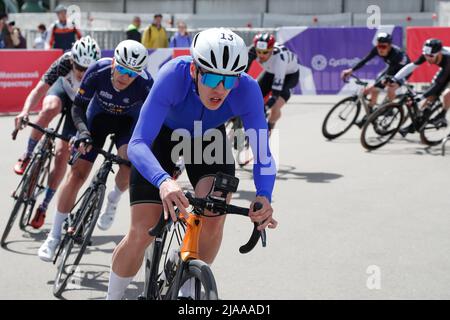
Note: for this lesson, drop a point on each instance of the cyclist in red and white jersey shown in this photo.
(281, 72)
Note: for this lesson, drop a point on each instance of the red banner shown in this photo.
(20, 71)
(415, 37)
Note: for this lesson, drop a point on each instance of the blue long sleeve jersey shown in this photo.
(173, 101)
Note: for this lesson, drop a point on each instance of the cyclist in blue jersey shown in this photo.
(194, 96)
(108, 101)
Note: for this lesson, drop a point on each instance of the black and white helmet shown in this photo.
(220, 50)
(85, 51)
(131, 54)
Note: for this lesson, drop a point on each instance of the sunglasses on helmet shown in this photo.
(212, 80)
(125, 71)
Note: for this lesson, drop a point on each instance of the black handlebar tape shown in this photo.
(14, 134)
(246, 248)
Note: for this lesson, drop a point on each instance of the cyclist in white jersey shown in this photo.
(59, 85)
(281, 73)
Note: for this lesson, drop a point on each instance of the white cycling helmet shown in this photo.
(85, 51)
(220, 50)
(131, 54)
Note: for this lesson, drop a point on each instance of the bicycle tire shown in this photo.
(374, 122)
(35, 175)
(204, 278)
(326, 131)
(12, 218)
(96, 197)
(431, 134)
(19, 201)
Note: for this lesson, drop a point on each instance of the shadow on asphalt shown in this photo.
(30, 246)
(412, 146)
(90, 282)
(286, 172)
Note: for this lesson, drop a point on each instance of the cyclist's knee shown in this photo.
(446, 97)
(139, 238)
(214, 226)
(62, 155)
(77, 176)
(51, 105)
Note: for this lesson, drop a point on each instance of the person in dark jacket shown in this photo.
(133, 30)
(61, 34)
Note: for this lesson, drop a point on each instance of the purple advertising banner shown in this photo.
(324, 52)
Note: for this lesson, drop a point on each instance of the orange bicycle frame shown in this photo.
(189, 248)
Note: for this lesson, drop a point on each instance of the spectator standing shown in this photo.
(133, 30)
(61, 35)
(181, 38)
(4, 34)
(39, 42)
(17, 40)
(155, 36)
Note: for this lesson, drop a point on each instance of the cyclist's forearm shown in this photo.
(79, 118)
(35, 96)
(145, 162)
(405, 71)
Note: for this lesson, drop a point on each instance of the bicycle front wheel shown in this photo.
(434, 132)
(23, 196)
(340, 118)
(70, 259)
(382, 126)
(200, 273)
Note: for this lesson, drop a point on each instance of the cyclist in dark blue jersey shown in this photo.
(108, 102)
(193, 97)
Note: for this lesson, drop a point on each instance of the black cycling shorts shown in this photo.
(142, 191)
(104, 124)
(265, 81)
(57, 90)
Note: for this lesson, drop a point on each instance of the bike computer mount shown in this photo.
(224, 184)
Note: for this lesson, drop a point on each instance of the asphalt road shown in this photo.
(352, 224)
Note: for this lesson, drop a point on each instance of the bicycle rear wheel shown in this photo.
(381, 126)
(341, 117)
(87, 218)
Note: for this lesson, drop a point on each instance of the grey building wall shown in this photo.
(386, 6)
(273, 20)
(305, 7)
(229, 6)
(170, 6)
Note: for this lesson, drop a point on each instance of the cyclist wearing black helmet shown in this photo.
(434, 53)
(393, 56)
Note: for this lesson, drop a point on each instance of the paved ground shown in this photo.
(352, 224)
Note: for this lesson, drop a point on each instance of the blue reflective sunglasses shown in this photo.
(212, 80)
(122, 70)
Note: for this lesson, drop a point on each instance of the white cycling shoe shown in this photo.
(106, 219)
(47, 250)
